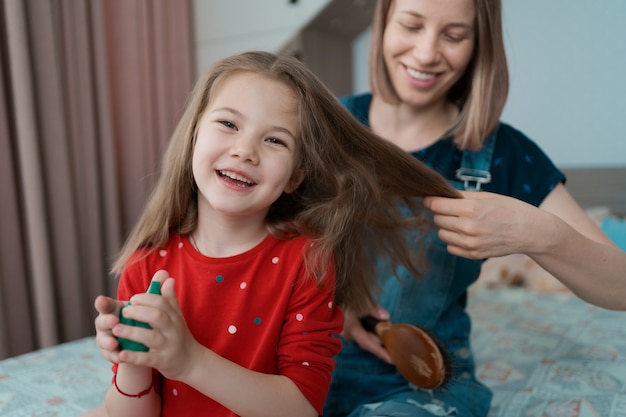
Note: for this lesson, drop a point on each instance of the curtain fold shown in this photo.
(91, 92)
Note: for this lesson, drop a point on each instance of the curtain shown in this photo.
(90, 92)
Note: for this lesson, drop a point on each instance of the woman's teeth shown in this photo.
(422, 76)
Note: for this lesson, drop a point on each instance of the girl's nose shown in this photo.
(245, 148)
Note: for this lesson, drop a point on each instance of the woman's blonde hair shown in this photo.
(348, 202)
(480, 93)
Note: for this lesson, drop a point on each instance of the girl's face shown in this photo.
(245, 153)
(427, 46)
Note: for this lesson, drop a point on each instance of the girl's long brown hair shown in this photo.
(482, 91)
(349, 202)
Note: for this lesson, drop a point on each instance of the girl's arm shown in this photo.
(132, 393)
(558, 235)
(140, 399)
(245, 392)
(176, 354)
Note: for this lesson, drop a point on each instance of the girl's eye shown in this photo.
(276, 141)
(228, 124)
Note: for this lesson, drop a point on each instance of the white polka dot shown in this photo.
(275, 260)
(163, 252)
(299, 317)
(305, 363)
(180, 245)
(243, 285)
(232, 329)
(330, 304)
(175, 392)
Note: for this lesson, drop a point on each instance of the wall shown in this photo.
(567, 62)
(222, 28)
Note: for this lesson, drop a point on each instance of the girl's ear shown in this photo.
(295, 181)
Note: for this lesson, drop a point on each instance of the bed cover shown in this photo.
(543, 356)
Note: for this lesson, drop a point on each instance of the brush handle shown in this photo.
(369, 323)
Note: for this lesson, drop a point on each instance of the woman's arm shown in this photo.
(558, 235)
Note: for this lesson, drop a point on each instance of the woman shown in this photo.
(439, 82)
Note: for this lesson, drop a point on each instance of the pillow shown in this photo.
(615, 229)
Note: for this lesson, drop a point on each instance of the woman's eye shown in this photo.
(455, 38)
(410, 27)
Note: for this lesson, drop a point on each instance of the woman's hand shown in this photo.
(483, 225)
(558, 235)
(370, 342)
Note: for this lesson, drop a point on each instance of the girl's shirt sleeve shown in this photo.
(309, 339)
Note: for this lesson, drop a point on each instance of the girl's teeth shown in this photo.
(235, 177)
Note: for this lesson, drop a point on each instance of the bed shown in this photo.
(543, 356)
(549, 355)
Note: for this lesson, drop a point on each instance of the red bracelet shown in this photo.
(141, 394)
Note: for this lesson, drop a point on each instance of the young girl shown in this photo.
(263, 221)
(439, 82)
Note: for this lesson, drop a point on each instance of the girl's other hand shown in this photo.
(108, 317)
(173, 349)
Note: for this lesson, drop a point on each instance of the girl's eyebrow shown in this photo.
(227, 109)
(238, 113)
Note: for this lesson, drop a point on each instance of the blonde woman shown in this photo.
(439, 82)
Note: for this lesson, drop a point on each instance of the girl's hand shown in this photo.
(108, 317)
(483, 225)
(172, 346)
(370, 342)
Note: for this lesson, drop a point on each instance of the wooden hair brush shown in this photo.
(420, 357)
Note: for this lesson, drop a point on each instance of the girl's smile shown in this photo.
(235, 180)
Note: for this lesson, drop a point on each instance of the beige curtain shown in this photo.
(90, 92)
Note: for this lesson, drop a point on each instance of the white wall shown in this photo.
(567, 60)
(226, 27)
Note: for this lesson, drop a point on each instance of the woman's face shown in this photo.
(427, 46)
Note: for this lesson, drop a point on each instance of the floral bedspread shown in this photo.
(543, 356)
(549, 355)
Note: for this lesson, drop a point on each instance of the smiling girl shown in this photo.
(262, 224)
